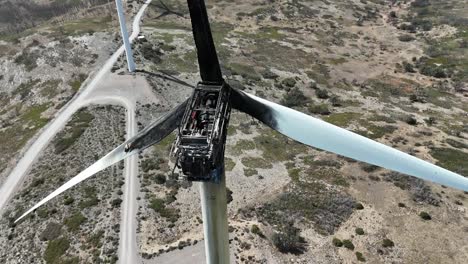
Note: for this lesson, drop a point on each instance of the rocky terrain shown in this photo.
(370, 66)
(394, 71)
(84, 223)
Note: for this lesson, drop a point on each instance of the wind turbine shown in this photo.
(126, 41)
(202, 122)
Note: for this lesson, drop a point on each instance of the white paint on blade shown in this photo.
(320, 134)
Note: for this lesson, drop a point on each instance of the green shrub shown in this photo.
(369, 167)
(322, 94)
(387, 243)
(359, 231)
(116, 202)
(433, 70)
(228, 195)
(37, 182)
(425, 216)
(359, 206)
(150, 53)
(159, 206)
(256, 230)
(401, 205)
(75, 128)
(410, 120)
(451, 159)
(42, 212)
(321, 109)
(348, 244)
(73, 223)
(406, 38)
(288, 240)
(149, 164)
(28, 59)
(160, 178)
(408, 67)
(77, 80)
(360, 257)
(294, 97)
(95, 239)
(68, 200)
(250, 172)
(55, 249)
(335, 101)
(420, 3)
(289, 82)
(244, 70)
(337, 242)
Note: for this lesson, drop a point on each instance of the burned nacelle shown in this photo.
(199, 148)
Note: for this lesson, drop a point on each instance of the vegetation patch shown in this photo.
(294, 173)
(241, 146)
(312, 202)
(160, 207)
(337, 242)
(77, 80)
(348, 244)
(373, 131)
(257, 231)
(74, 129)
(425, 216)
(28, 59)
(420, 192)
(270, 141)
(74, 222)
(319, 73)
(81, 27)
(451, 159)
(329, 175)
(90, 198)
(32, 116)
(254, 162)
(284, 58)
(342, 119)
(359, 231)
(387, 88)
(250, 172)
(387, 243)
(246, 71)
(55, 249)
(49, 88)
(95, 239)
(289, 240)
(24, 89)
(294, 98)
(326, 162)
(360, 257)
(320, 109)
(456, 144)
(229, 164)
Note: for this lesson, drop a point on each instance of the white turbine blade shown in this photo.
(320, 134)
(112, 157)
(147, 137)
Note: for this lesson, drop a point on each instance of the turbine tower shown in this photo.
(123, 29)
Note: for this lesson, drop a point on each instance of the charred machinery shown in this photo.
(199, 147)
